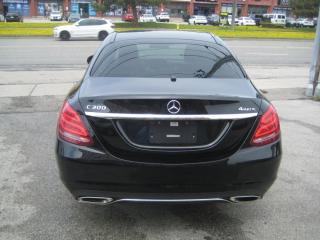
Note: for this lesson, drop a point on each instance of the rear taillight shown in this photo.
(71, 128)
(268, 129)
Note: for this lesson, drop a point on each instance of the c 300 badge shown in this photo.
(99, 107)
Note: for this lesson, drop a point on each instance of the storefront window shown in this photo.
(115, 10)
(83, 7)
(45, 7)
(20, 6)
(177, 9)
(284, 10)
(257, 10)
(202, 9)
(227, 8)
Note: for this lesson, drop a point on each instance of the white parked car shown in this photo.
(305, 22)
(55, 16)
(236, 20)
(291, 22)
(85, 28)
(246, 21)
(198, 19)
(163, 17)
(147, 18)
(275, 18)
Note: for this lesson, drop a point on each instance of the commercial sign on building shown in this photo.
(16, 1)
(284, 2)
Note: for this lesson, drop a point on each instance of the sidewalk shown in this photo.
(58, 82)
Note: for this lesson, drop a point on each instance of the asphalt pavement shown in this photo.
(35, 205)
(35, 53)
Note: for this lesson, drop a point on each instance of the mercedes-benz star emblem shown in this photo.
(174, 106)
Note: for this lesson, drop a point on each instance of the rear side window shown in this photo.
(166, 60)
(100, 22)
(86, 22)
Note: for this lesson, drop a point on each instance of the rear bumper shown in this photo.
(56, 18)
(248, 172)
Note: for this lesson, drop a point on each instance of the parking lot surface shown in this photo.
(35, 205)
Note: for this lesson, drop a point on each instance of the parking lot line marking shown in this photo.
(267, 54)
(45, 46)
(271, 47)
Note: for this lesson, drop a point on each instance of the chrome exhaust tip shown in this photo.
(96, 200)
(248, 198)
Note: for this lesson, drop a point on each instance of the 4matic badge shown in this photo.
(246, 109)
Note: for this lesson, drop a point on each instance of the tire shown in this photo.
(65, 36)
(102, 35)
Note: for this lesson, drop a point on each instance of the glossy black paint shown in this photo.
(113, 167)
(85, 172)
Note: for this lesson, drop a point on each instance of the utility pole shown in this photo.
(234, 11)
(315, 65)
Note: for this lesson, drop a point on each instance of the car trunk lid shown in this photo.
(132, 116)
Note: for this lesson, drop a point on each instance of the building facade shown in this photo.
(244, 7)
(283, 7)
(176, 8)
(207, 7)
(44, 7)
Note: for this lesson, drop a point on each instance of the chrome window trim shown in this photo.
(150, 116)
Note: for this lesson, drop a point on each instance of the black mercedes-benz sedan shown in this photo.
(167, 116)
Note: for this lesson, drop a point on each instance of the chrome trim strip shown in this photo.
(149, 116)
(172, 200)
(108, 201)
(211, 144)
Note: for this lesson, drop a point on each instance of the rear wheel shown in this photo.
(102, 35)
(65, 36)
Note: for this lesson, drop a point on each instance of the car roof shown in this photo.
(182, 35)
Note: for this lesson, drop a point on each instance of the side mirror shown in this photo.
(89, 59)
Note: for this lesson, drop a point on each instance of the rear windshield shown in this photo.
(166, 60)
